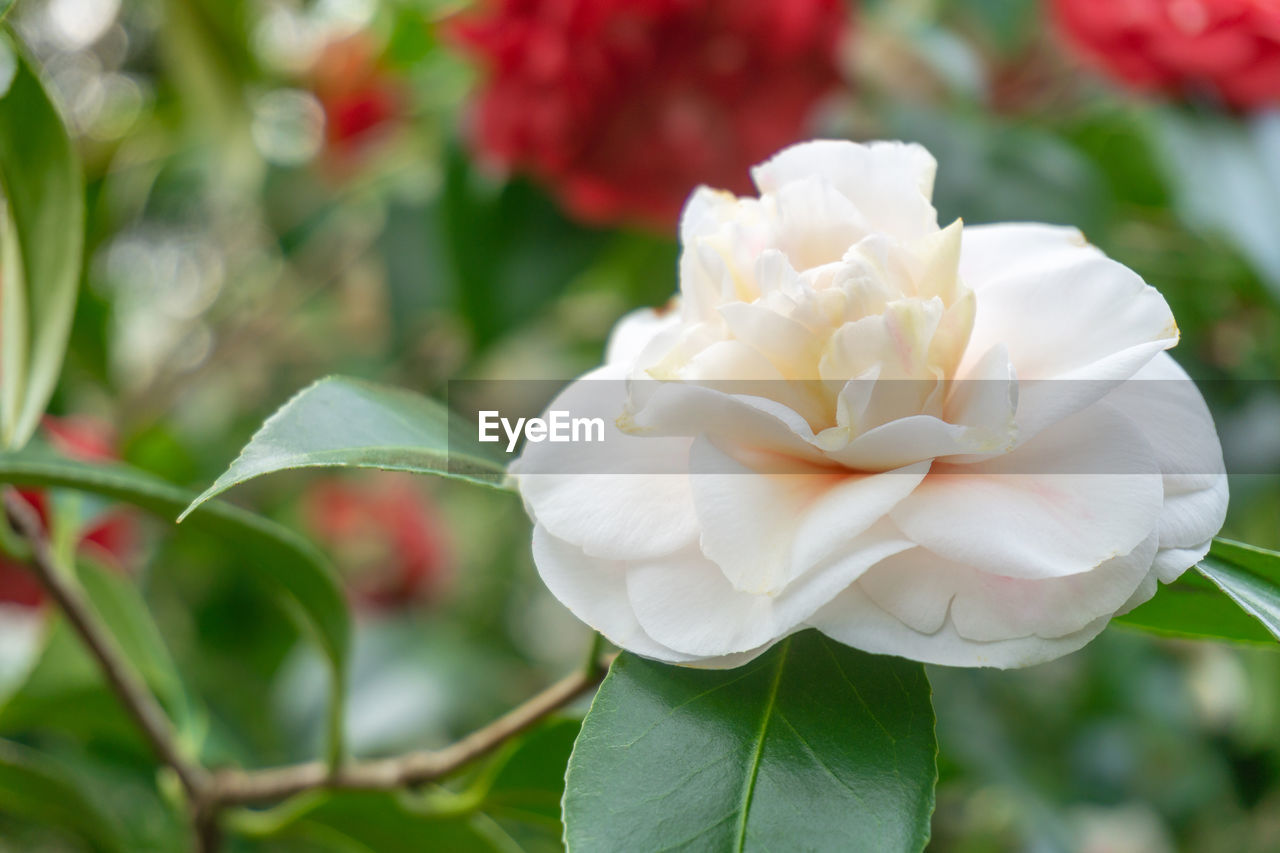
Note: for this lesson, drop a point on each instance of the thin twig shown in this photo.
(120, 674)
(210, 794)
(246, 787)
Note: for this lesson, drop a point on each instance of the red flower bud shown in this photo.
(623, 106)
(386, 536)
(360, 100)
(110, 538)
(1229, 49)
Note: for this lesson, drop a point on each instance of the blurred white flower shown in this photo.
(919, 441)
(21, 631)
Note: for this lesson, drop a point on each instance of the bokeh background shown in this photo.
(414, 191)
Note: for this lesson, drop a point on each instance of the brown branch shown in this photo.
(246, 787)
(209, 794)
(120, 674)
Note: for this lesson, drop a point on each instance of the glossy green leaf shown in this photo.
(41, 239)
(1194, 607)
(34, 788)
(1235, 596)
(813, 745)
(341, 422)
(1250, 577)
(277, 555)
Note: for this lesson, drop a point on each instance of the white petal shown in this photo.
(1075, 322)
(1170, 563)
(635, 331)
(706, 212)
(897, 341)
(890, 183)
(1142, 594)
(980, 420)
(790, 346)
(1017, 250)
(1165, 404)
(731, 361)
(986, 398)
(904, 442)
(816, 223)
(921, 589)
(720, 409)
(722, 237)
(766, 528)
(626, 497)
(685, 602)
(855, 620)
(830, 525)
(1083, 491)
(749, 518)
(595, 591)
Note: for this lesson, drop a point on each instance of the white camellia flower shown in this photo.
(960, 445)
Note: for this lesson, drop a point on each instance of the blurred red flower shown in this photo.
(624, 106)
(386, 536)
(359, 98)
(109, 539)
(1227, 48)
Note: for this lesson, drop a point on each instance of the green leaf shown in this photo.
(813, 743)
(1250, 577)
(36, 789)
(65, 692)
(1195, 608)
(5, 6)
(123, 610)
(282, 558)
(341, 422)
(541, 253)
(65, 682)
(382, 821)
(1195, 605)
(41, 239)
(525, 795)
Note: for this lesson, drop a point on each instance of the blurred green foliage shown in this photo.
(234, 254)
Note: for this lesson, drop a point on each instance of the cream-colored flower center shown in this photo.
(850, 338)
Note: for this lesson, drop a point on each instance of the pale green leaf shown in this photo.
(41, 239)
(36, 789)
(1234, 596)
(341, 422)
(1250, 577)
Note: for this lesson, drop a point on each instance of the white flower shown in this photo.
(919, 441)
